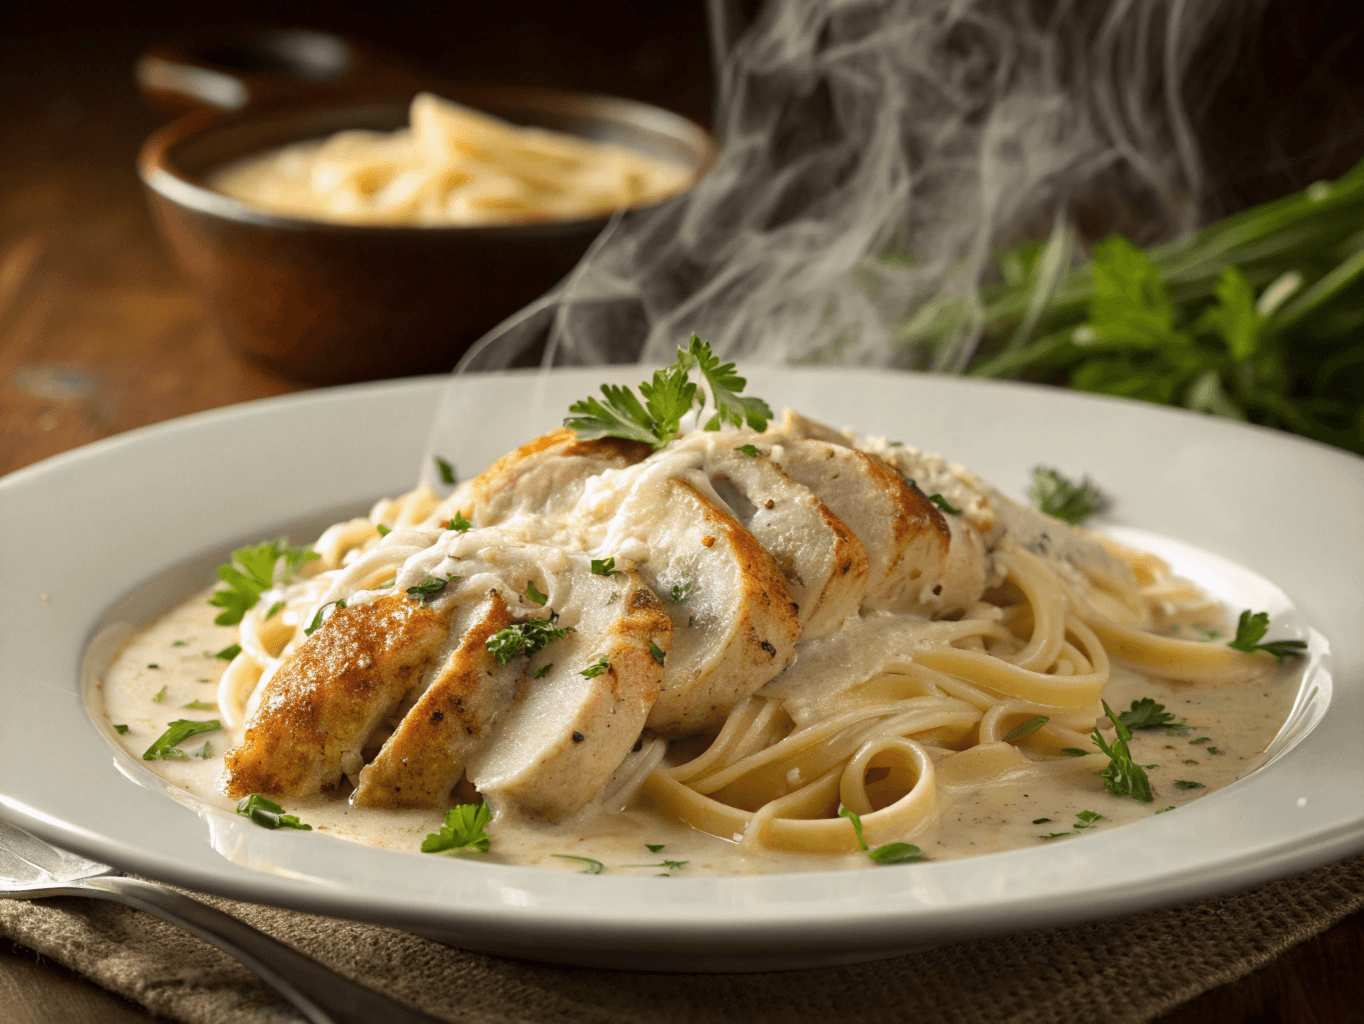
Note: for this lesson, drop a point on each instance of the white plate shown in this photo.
(84, 534)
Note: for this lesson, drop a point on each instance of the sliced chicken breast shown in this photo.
(322, 705)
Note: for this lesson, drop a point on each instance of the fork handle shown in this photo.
(319, 993)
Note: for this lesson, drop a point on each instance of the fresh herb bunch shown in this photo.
(667, 398)
(1259, 316)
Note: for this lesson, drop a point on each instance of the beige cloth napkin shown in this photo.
(1119, 972)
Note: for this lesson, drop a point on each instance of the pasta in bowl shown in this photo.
(758, 647)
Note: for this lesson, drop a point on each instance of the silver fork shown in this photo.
(31, 869)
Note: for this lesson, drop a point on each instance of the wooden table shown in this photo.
(99, 335)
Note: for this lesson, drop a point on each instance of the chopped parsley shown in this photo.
(1122, 777)
(153, 664)
(165, 748)
(275, 609)
(682, 591)
(542, 671)
(206, 753)
(1056, 496)
(1146, 714)
(1251, 628)
(592, 867)
(596, 668)
(529, 637)
(944, 505)
(384, 531)
(1074, 752)
(180, 643)
(654, 847)
(887, 853)
(671, 865)
(1086, 819)
(1164, 809)
(604, 566)
(464, 829)
(268, 814)
(446, 470)
(751, 450)
(1200, 741)
(459, 524)
(667, 398)
(251, 572)
(1026, 728)
(1186, 784)
(200, 705)
(160, 695)
(1040, 821)
(1083, 820)
(227, 653)
(534, 594)
(430, 587)
(316, 624)
(657, 652)
(122, 730)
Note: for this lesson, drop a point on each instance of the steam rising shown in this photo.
(879, 153)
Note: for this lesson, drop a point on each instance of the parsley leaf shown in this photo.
(654, 847)
(459, 524)
(1026, 728)
(657, 652)
(604, 566)
(464, 829)
(751, 450)
(275, 609)
(887, 853)
(200, 705)
(1186, 784)
(1056, 496)
(529, 637)
(596, 668)
(1086, 819)
(165, 749)
(542, 671)
(160, 695)
(1074, 752)
(316, 624)
(856, 820)
(228, 653)
(429, 587)
(1146, 714)
(122, 730)
(1250, 628)
(268, 814)
(535, 595)
(682, 591)
(944, 505)
(447, 471)
(252, 571)
(384, 531)
(1122, 777)
(594, 867)
(725, 386)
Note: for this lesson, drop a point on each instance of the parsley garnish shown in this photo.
(1040, 821)
(751, 450)
(153, 665)
(1056, 496)
(1200, 741)
(459, 524)
(593, 867)
(199, 705)
(657, 652)
(654, 847)
(275, 609)
(316, 624)
(596, 668)
(384, 531)
(123, 729)
(667, 398)
(1186, 784)
(542, 671)
(682, 591)
(1086, 819)
(1026, 728)
(529, 637)
(268, 814)
(604, 566)
(464, 829)
(206, 753)
(252, 571)
(160, 695)
(447, 471)
(1251, 627)
(1083, 820)
(227, 653)
(671, 865)
(944, 505)
(1164, 809)
(165, 747)
(888, 853)
(1147, 714)
(430, 587)
(180, 643)
(1122, 777)
(1074, 752)
(535, 595)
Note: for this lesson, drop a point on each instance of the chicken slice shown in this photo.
(424, 758)
(545, 477)
(583, 701)
(321, 706)
(824, 563)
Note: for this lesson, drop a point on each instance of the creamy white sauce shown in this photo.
(1238, 720)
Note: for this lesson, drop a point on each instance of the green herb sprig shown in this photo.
(252, 571)
(529, 637)
(165, 747)
(464, 829)
(1251, 628)
(1056, 496)
(887, 853)
(1122, 777)
(268, 814)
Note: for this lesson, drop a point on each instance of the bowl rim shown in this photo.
(164, 179)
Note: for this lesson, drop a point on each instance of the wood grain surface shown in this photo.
(98, 335)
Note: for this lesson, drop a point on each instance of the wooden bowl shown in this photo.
(330, 303)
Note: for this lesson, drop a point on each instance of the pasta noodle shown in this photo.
(453, 165)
